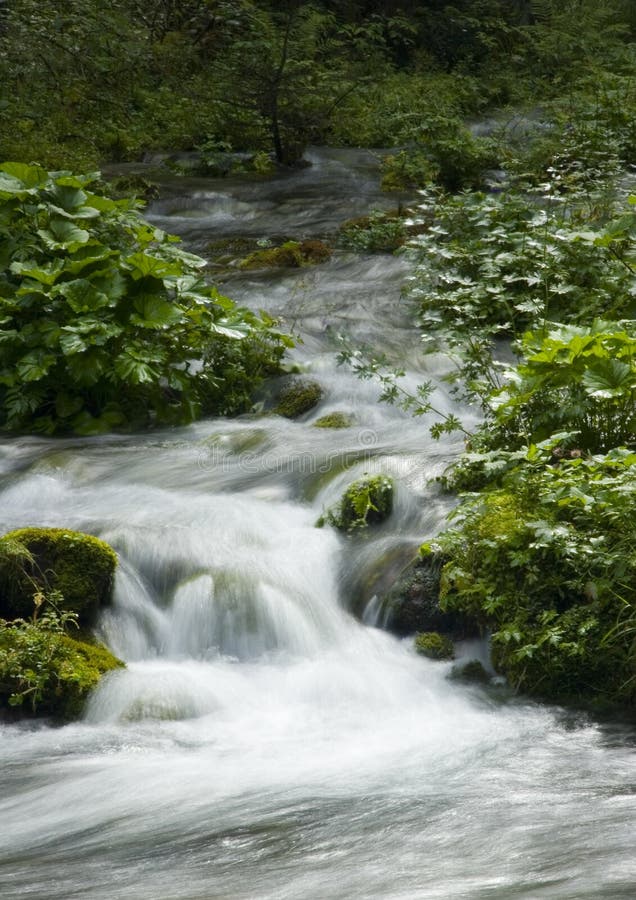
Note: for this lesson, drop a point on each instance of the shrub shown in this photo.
(45, 670)
(108, 324)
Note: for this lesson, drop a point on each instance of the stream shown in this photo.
(265, 743)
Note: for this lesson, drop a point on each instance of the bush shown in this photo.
(546, 562)
(108, 324)
(46, 672)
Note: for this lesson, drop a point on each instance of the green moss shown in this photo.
(298, 398)
(334, 420)
(290, 255)
(434, 645)
(78, 566)
(368, 501)
(44, 671)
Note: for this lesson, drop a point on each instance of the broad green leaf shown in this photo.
(82, 296)
(63, 235)
(30, 176)
(155, 312)
(609, 378)
(131, 369)
(71, 342)
(143, 265)
(35, 365)
(47, 274)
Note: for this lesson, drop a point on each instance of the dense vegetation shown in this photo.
(82, 82)
(107, 322)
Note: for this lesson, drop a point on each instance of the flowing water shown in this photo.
(263, 743)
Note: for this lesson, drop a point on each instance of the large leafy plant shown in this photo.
(106, 322)
(545, 558)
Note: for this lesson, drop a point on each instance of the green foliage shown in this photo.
(45, 670)
(445, 153)
(434, 645)
(105, 318)
(379, 232)
(77, 567)
(495, 264)
(547, 561)
(571, 379)
(298, 397)
(368, 501)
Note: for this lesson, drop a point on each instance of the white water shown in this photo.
(263, 744)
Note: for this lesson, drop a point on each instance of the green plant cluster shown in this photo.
(290, 255)
(298, 397)
(444, 153)
(367, 501)
(434, 645)
(545, 558)
(107, 323)
(496, 264)
(46, 672)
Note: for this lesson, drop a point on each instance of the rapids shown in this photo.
(263, 743)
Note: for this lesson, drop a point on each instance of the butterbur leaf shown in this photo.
(62, 234)
(609, 378)
(82, 296)
(143, 265)
(30, 176)
(154, 312)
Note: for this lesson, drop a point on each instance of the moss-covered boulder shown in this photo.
(298, 397)
(290, 255)
(46, 672)
(77, 566)
(434, 645)
(368, 501)
(334, 420)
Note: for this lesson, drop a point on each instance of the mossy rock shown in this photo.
(368, 501)
(471, 672)
(434, 645)
(78, 566)
(297, 398)
(290, 255)
(48, 673)
(334, 420)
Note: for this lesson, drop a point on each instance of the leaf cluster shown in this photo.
(106, 322)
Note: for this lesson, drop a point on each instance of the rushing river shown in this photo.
(263, 744)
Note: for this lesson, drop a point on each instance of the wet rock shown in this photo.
(412, 604)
